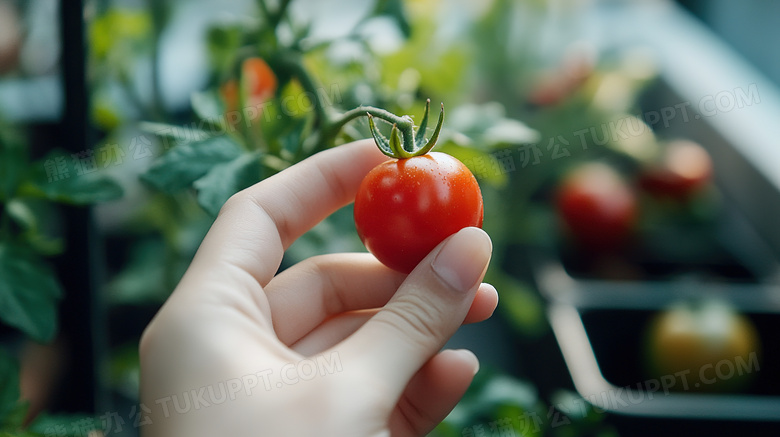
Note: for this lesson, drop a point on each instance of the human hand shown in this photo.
(335, 345)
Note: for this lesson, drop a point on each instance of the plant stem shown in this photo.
(5, 224)
(312, 88)
(330, 128)
(159, 16)
(277, 16)
(404, 124)
(132, 94)
(264, 9)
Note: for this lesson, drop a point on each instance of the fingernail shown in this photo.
(467, 355)
(463, 259)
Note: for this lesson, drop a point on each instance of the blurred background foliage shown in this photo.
(514, 80)
(191, 101)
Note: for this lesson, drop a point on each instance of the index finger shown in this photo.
(256, 225)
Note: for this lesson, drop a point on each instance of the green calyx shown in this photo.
(404, 142)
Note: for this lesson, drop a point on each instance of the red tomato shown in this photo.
(685, 168)
(260, 81)
(556, 86)
(405, 207)
(229, 93)
(597, 207)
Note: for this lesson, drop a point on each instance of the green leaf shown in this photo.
(482, 165)
(505, 390)
(396, 11)
(487, 126)
(19, 433)
(179, 134)
(125, 369)
(38, 220)
(117, 28)
(72, 180)
(21, 213)
(574, 406)
(226, 179)
(15, 417)
(142, 279)
(222, 43)
(441, 69)
(335, 234)
(522, 308)
(13, 162)
(64, 425)
(448, 429)
(207, 105)
(29, 293)
(493, 396)
(9, 386)
(186, 163)
(81, 190)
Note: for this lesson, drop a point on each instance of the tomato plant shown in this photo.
(709, 343)
(405, 207)
(685, 168)
(597, 208)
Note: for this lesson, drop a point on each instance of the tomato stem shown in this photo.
(312, 88)
(410, 146)
(410, 143)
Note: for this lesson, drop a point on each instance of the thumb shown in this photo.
(424, 313)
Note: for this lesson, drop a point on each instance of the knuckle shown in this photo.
(236, 200)
(416, 317)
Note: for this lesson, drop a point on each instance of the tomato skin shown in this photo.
(559, 84)
(699, 339)
(260, 80)
(405, 207)
(684, 170)
(229, 93)
(597, 208)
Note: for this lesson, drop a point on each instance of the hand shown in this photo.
(337, 345)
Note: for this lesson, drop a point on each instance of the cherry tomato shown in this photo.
(597, 208)
(554, 87)
(685, 168)
(260, 81)
(405, 207)
(229, 93)
(709, 343)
